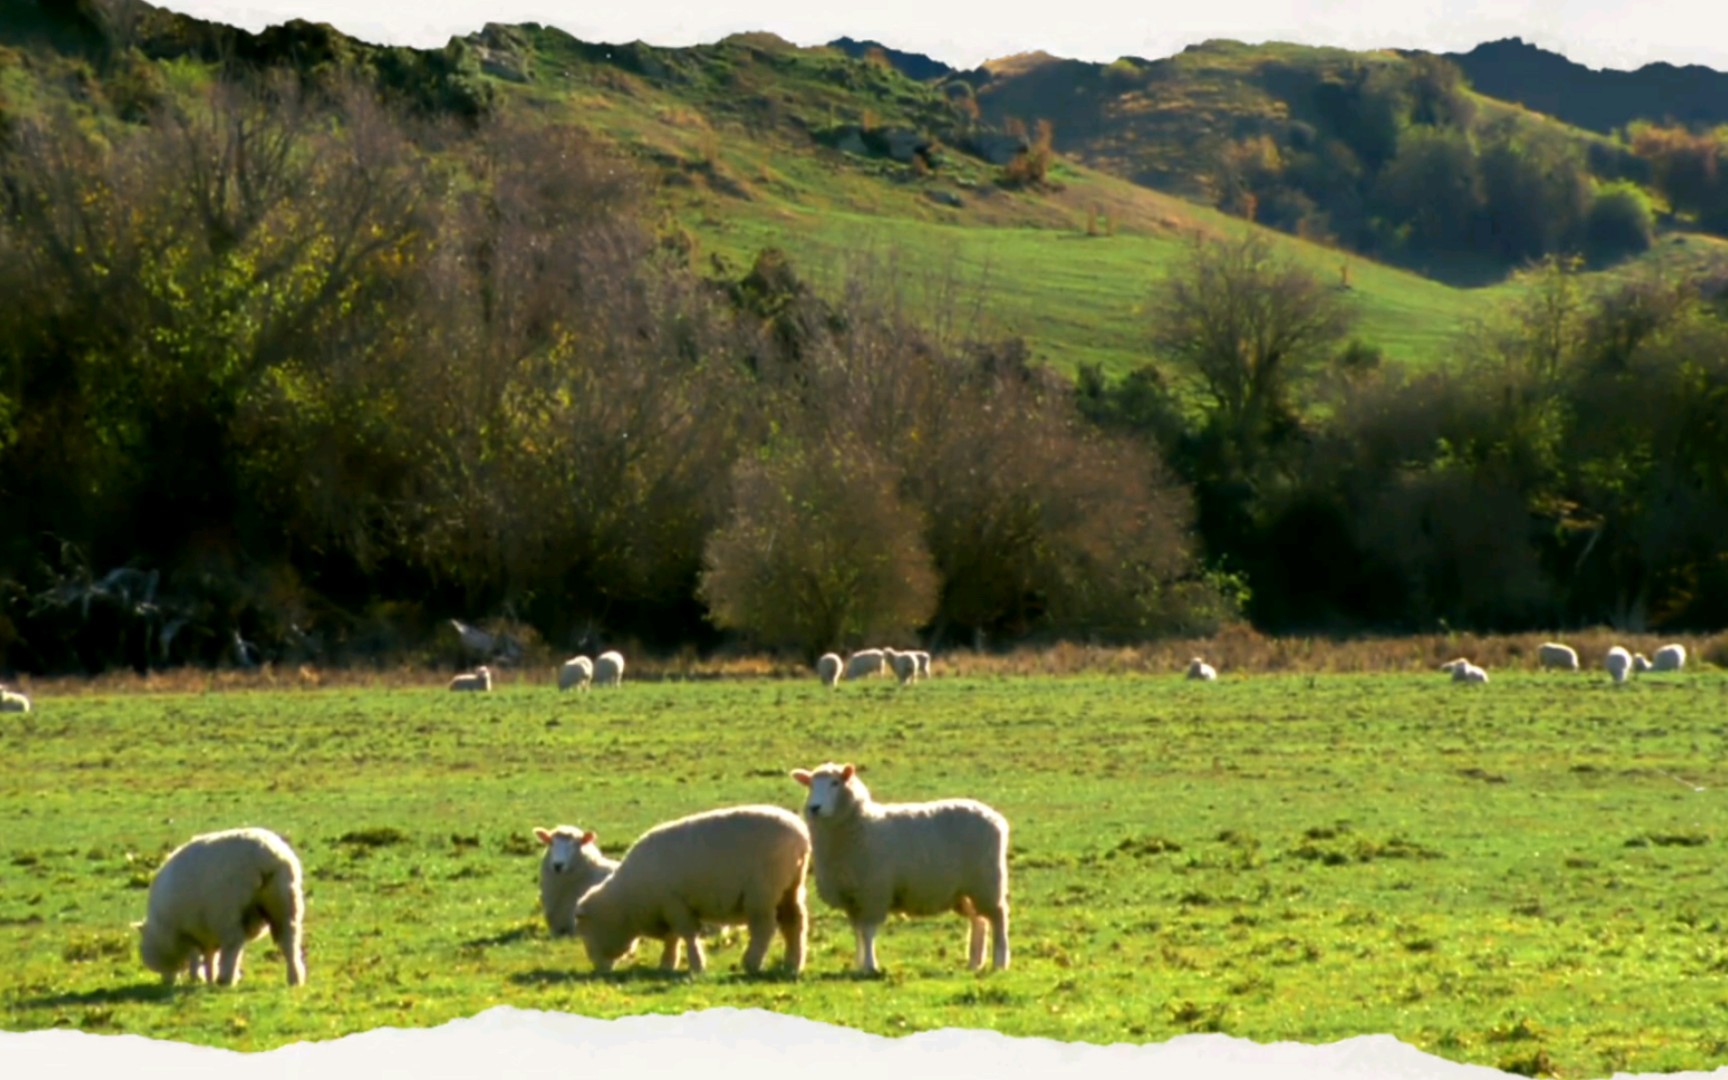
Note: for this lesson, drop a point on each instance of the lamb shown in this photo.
(1669, 658)
(572, 865)
(213, 895)
(609, 669)
(1552, 654)
(1201, 670)
(828, 669)
(1618, 663)
(742, 864)
(479, 679)
(865, 662)
(904, 665)
(872, 859)
(13, 701)
(578, 671)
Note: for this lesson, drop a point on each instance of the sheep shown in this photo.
(14, 701)
(1451, 667)
(1469, 673)
(478, 679)
(578, 671)
(609, 669)
(213, 895)
(1552, 654)
(923, 663)
(1618, 663)
(904, 665)
(1669, 658)
(1641, 663)
(572, 865)
(927, 858)
(1201, 670)
(741, 864)
(865, 662)
(828, 669)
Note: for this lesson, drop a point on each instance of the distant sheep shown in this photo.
(1641, 663)
(743, 864)
(871, 859)
(1618, 663)
(1552, 654)
(578, 672)
(478, 679)
(923, 663)
(865, 662)
(213, 895)
(1669, 658)
(1469, 673)
(13, 701)
(904, 665)
(572, 865)
(828, 669)
(1201, 670)
(609, 669)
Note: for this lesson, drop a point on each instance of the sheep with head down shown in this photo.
(1669, 658)
(872, 859)
(1619, 664)
(1201, 671)
(609, 669)
(13, 701)
(1552, 654)
(480, 680)
(577, 672)
(828, 669)
(865, 662)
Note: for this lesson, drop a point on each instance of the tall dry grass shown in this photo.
(1237, 650)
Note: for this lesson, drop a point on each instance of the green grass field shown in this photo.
(1523, 875)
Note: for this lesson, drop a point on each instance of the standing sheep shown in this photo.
(872, 859)
(828, 669)
(1201, 670)
(572, 865)
(213, 895)
(609, 669)
(479, 679)
(578, 671)
(1552, 654)
(1669, 658)
(13, 701)
(865, 662)
(743, 864)
(923, 663)
(904, 665)
(1618, 663)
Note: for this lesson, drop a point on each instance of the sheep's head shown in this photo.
(602, 941)
(158, 955)
(563, 845)
(835, 791)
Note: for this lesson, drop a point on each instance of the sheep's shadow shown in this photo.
(503, 937)
(649, 978)
(117, 995)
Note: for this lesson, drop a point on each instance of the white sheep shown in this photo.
(828, 669)
(871, 859)
(738, 865)
(1552, 654)
(572, 865)
(865, 662)
(904, 665)
(1201, 670)
(213, 895)
(1669, 658)
(13, 701)
(923, 663)
(578, 671)
(1451, 667)
(1641, 663)
(609, 669)
(1469, 673)
(1618, 663)
(478, 679)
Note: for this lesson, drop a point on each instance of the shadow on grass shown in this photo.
(653, 978)
(506, 937)
(119, 995)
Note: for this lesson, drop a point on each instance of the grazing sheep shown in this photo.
(865, 662)
(13, 701)
(904, 665)
(1618, 663)
(1669, 658)
(742, 864)
(1451, 667)
(571, 866)
(213, 895)
(478, 679)
(1200, 669)
(609, 669)
(578, 671)
(1469, 673)
(873, 858)
(828, 669)
(923, 663)
(1640, 663)
(1552, 654)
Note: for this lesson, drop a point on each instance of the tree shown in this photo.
(1246, 324)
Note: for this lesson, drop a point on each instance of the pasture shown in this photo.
(1525, 875)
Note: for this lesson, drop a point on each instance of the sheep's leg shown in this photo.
(761, 930)
(698, 962)
(999, 929)
(229, 971)
(975, 952)
(794, 928)
(867, 946)
(669, 956)
(286, 935)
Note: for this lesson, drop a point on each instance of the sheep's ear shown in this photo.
(847, 773)
(589, 837)
(802, 776)
(544, 836)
